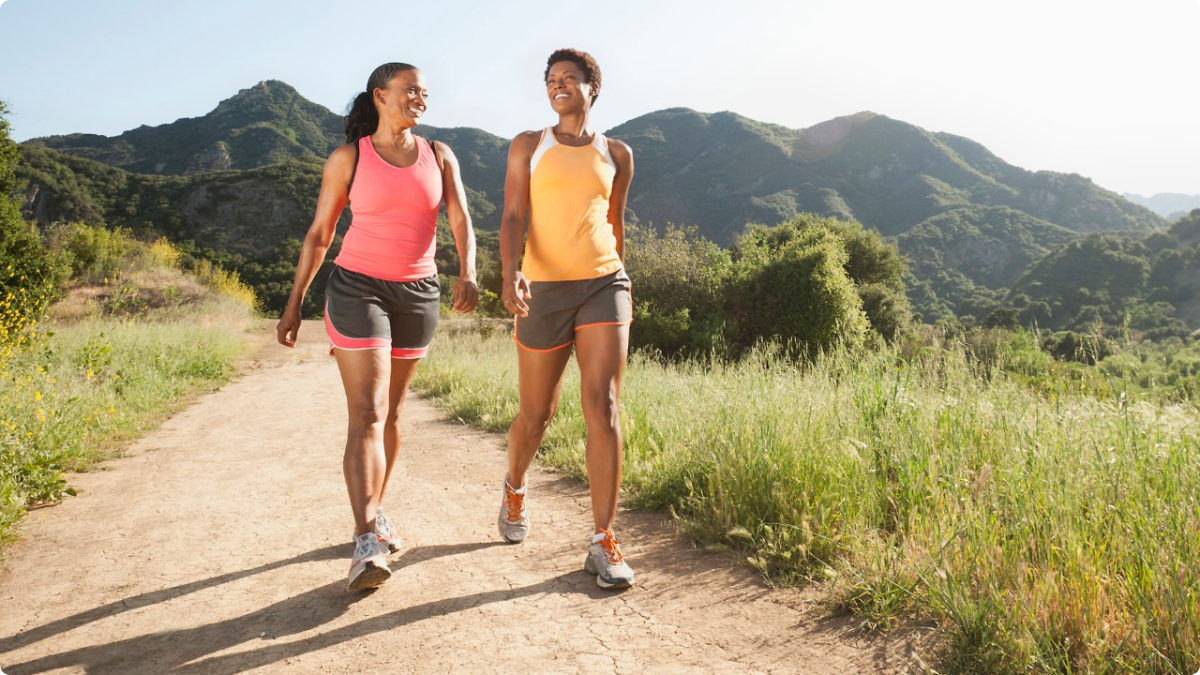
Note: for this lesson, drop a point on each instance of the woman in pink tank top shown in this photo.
(382, 298)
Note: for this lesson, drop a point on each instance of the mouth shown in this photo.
(559, 97)
(417, 111)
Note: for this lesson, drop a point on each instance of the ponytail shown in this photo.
(363, 118)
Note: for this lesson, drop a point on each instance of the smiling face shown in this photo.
(404, 98)
(567, 89)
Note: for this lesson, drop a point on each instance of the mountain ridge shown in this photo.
(718, 171)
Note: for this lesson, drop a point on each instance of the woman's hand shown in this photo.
(466, 295)
(514, 293)
(288, 327)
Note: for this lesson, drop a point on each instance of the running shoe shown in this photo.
(368, 567)
(607, 563)
(513, 523)
(386, 531)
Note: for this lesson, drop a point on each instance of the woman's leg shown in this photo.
(366, 375)
(403, 371)
(601, 352)
(540, 375)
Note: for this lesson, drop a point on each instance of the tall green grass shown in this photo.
(1044, 527)
(110, 361)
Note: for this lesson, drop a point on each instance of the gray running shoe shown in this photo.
(387, 531)
(606, 562)
(368, 567)
(513, 523)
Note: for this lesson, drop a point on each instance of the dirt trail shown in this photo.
(220, 544)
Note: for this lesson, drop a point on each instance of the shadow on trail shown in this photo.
(335, 602)
(185, 651)
(69, 623)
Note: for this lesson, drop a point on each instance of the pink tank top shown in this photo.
(393, 229)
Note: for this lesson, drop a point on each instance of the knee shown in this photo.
(600, 408)
(534, 422)
(368, 415)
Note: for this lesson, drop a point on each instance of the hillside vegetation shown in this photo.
(237, 187)
(101, 334)
(1042, 515)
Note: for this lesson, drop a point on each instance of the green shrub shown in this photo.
(680, 286)
(791, 287)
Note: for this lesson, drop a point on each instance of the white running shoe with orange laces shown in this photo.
(607, 563)
(513, 523)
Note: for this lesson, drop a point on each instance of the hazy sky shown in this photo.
(1103, 88)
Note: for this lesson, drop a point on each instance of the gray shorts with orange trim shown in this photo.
(363, 312)
(559, 308)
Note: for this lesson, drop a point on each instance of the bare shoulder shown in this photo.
(342, 157)
(621, 153)
(442, 149)
(525, 142)
(619, 147)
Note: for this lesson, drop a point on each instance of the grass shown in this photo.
(1042, 526)
(111, 361)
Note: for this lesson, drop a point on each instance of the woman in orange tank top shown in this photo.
(381, 300)
(569, 183)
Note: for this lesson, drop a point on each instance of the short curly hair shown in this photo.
(591, 69)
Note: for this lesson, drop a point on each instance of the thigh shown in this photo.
(365, 376)
(413, 315)
(402, 372)
(540, 374)
(601, 351)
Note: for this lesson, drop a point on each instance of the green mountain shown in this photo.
(721, 171)
(265, 124)
(243, 179)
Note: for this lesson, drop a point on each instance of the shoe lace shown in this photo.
(383, 524)
(514, 504)
(365, 548)
(611, 548)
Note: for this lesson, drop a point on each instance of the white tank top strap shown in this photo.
(547, 141)
(601, 143)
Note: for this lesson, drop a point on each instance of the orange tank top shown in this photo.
(569, 233)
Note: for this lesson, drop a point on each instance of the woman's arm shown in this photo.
(515, 288)
(335, 181)
(623, 157)
(466, 290)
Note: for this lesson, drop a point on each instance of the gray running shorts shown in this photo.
(559, 308)
(362, 312)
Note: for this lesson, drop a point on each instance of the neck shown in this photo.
(574, 125)
(393, 132)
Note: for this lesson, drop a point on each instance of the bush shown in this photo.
(30, 276)
(874, 266)
(794, 289)
(680, 284)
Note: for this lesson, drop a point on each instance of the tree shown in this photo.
(29, 275)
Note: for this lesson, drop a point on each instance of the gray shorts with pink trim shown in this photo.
(363, 312)
(559, 308)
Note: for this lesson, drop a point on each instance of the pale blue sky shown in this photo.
(1104, 88)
